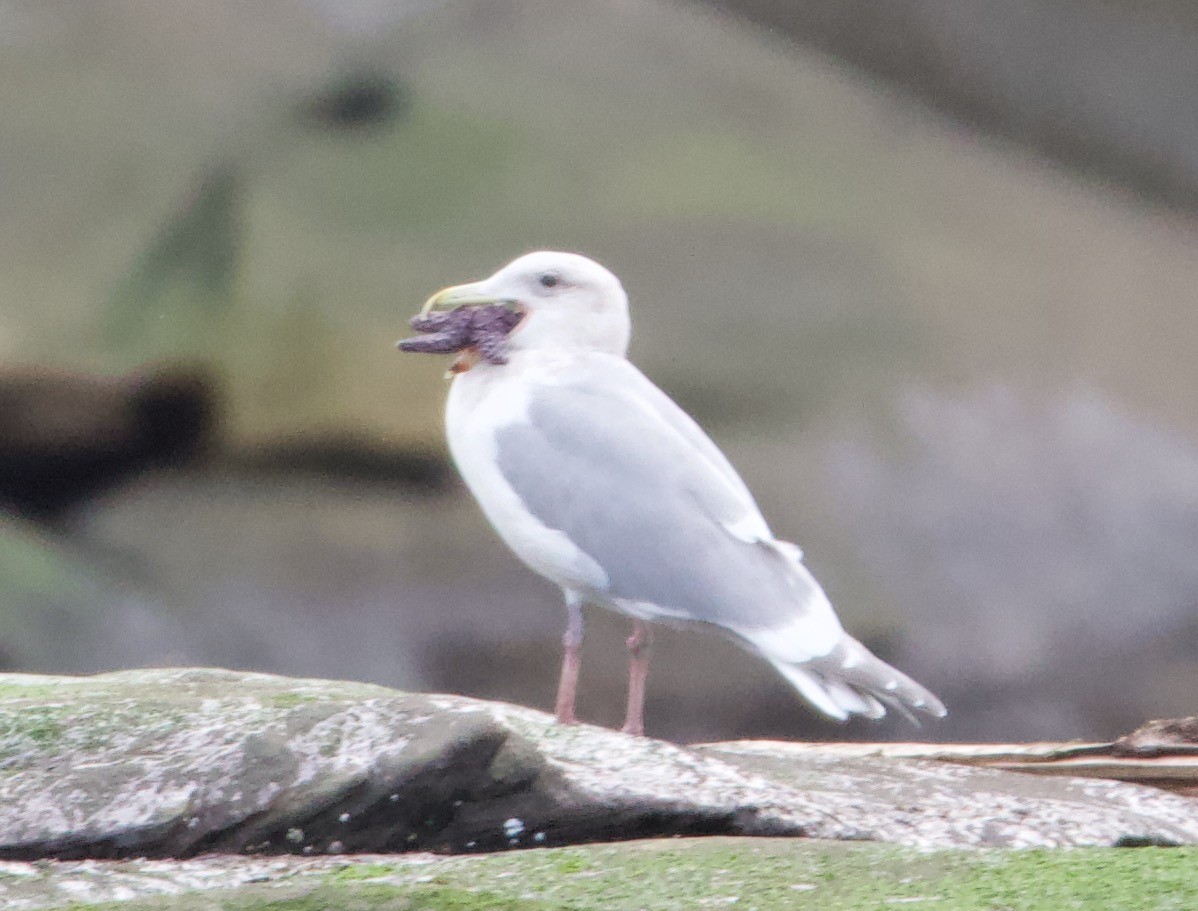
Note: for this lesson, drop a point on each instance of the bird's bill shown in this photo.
(455, 296)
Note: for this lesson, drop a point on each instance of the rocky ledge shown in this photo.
(180, 762)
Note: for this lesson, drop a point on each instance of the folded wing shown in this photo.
(609, 460)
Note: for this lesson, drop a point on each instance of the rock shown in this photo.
(1076, 81)
(1013, 580)
(180, 762)
(77, 609)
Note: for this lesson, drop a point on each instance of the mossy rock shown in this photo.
(177, 763)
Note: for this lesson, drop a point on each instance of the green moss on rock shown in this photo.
(762, 874)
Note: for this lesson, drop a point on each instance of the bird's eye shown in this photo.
(549, 279)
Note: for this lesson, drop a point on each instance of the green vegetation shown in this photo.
(355, 873)
(40, 718)
(36, 725)
(32, 566)
(761, 874)
(291, 700)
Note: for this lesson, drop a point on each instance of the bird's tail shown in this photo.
(851, 680)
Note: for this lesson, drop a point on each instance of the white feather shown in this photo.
(481, 401)
(811, 689)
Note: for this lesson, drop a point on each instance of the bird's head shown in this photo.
(569, 302)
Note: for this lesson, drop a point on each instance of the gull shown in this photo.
(599, 482)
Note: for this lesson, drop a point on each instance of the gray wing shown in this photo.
(617, 373)
(663, 513)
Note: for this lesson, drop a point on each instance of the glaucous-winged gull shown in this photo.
(598, 481)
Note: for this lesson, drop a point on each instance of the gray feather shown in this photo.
(638, 497)
(851, 680)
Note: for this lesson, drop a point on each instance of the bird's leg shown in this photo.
(567, 686)
(640, 643)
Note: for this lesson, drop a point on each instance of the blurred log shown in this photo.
(66, 436)
(1162, 754)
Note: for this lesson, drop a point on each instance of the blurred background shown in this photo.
(927, 271)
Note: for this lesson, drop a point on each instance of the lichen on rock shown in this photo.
(180, 762)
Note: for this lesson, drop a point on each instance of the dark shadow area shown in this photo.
(345, 457)
(67, 437)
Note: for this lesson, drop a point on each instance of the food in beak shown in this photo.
(483, 328)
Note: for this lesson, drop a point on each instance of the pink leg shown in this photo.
(640, 644)
(567, 685)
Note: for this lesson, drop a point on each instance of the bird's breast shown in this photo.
(481, 403)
